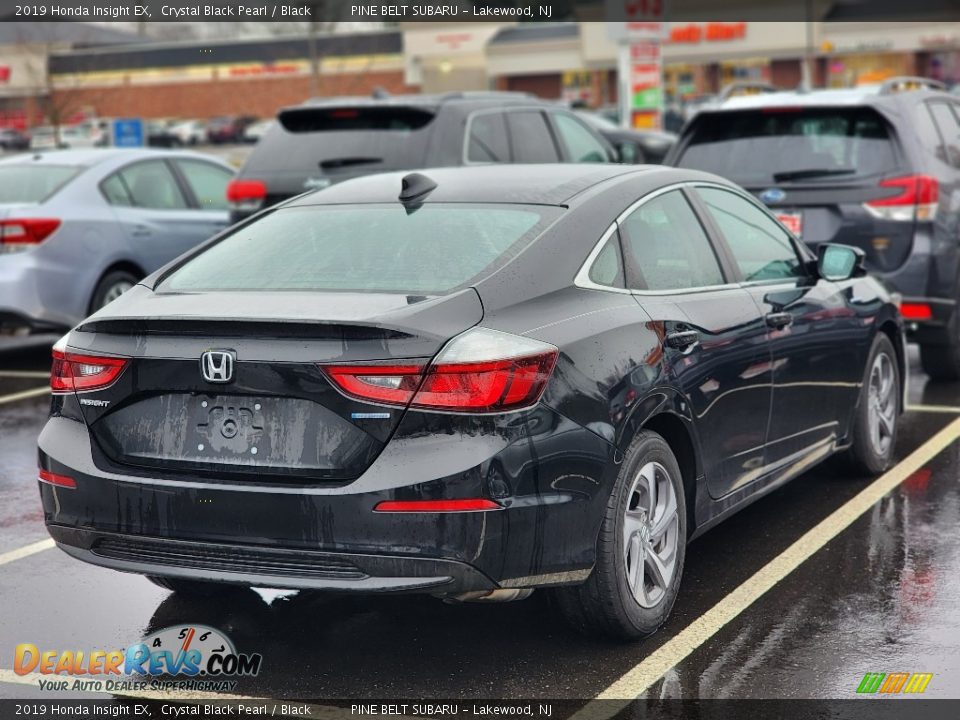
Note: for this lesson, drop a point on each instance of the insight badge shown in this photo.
(190, 657)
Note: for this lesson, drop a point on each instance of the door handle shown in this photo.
(779, 320)
(683, 340)
(141, 231)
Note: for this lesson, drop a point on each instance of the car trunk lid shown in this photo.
(278, 418)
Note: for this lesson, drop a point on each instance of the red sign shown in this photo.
(693, 33)
(4, 73)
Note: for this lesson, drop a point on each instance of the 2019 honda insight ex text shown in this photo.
(470, 383)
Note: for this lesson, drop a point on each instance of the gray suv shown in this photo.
(323, 142)
(877, 167)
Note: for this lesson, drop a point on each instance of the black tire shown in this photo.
(194, 588)
(108, 284)
(604, 604)
(864, 454)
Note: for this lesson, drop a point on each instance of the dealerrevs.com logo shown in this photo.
(191, 657)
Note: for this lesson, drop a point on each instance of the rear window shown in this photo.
(312, 141)
(791, 145)
(366, 248)
(33, 183)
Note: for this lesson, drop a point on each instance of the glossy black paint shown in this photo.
(746, 407)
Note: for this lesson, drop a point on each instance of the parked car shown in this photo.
(189, 132)
(160, 134)
(46, 137)
(80, 227)
(12, 139)
(632, 146)
(228, 129)
(876, 167)
(324, 142)
(468, 382)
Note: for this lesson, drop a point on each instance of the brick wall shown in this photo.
(255, 96)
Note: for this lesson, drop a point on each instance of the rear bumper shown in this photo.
(551, 476)
(266, 567)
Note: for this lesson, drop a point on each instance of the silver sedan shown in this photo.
(79, 227)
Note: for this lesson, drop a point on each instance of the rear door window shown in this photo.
(531, 137)
(761, 248)
(365, 248)
(667, 248)
(151, 184)
(774, 146)
(488, 139)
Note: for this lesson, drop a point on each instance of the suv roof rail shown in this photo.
(903, 83)
(480, 94)
(746, 87)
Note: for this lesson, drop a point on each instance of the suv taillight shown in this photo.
(81, 373)
(481, 370)
(246, 195)
(917, 199)
(18, 234)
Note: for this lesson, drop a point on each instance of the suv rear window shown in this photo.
(20, 182)
(323, 141)
(778, 145)
(365, 248)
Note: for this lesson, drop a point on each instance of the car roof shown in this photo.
(434, 101)
(546, 184)
(96, 156)
(841, 97)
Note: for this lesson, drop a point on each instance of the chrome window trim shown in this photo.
(582, 278)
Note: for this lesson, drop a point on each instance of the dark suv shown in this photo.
(877, 167)
(324, 142)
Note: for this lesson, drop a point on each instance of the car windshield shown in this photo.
(21, 183)
(779, 145)
(365, 248)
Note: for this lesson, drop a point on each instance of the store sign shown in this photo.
(4, 73)
(693, 33)
(646, 97)
(644, 19)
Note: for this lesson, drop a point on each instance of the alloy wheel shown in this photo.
(115, 291)
(651, 531)
(882, 407)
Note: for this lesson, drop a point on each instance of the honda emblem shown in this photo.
(216, 366)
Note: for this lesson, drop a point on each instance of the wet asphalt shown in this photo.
(883, 596)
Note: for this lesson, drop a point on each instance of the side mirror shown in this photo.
(839, 262)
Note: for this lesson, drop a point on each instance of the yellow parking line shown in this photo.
(948, 409)
(639, 678)
(35, 392)
(26, 551)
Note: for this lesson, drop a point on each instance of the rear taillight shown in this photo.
(23, 233)
(916, 311)
(481, 370)
(246, 195)
(82, 373)
(917, 199)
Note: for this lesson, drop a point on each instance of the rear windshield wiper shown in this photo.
(348, 161)
(811, 173)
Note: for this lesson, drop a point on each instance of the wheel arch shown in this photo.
(117, 265)
(890, 328)
(675, 431)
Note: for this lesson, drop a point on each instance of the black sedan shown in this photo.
(469, 383)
